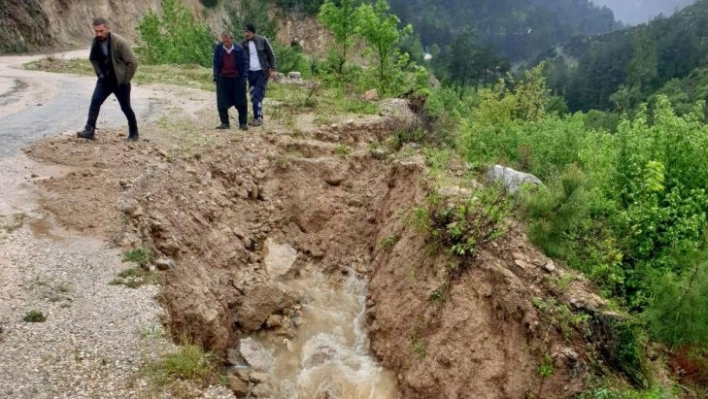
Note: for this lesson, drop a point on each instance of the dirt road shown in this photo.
(96, 335)
(35, 104)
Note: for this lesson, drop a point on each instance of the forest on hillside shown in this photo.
(618, 71)
(517, 29)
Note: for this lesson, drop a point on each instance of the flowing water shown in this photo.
(329, 358)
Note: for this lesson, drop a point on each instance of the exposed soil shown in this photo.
(32, 25)
(212, 205)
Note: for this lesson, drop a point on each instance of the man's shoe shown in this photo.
(223, 126)
(243, 127)
(89, 133)
(256, 122)
(133, 137)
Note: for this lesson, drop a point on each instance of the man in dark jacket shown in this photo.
(230, 73)
(115, 65)
(261, 66)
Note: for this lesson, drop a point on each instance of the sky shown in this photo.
(634, 12)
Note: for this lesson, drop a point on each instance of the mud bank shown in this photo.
(326, 204)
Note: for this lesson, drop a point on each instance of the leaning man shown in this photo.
(230, 74)
(261, 63)
(115, 65)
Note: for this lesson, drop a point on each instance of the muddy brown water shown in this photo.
(329, 357)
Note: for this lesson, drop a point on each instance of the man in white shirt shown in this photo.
(261, 67)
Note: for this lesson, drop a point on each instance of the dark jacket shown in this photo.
(265, 53)
(122, 58)
(241, 60)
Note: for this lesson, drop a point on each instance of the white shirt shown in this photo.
(254, 63)
(229, 50)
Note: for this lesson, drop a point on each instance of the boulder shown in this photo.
(165, 264)
(371, 95)
(256, 355)
(238, 386)
(261, 302)
(512, 179)
(311, 214)
(278, 258)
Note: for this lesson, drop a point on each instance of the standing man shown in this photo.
(261, 66)
(230, 74)
(115, 65)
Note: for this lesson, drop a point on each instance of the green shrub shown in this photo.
(628, 208)
(141, 256)
(175, 37)
(676, 313)
(190, 362)
(463, 225)
(251, 12)
(290, 59)
(34, 316)
(602, 120)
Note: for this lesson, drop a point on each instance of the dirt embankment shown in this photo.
(483, 335)
(31, 25)
(42, 25)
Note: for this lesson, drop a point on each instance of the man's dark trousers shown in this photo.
(104, 88)
(231, 92)
(257, 82)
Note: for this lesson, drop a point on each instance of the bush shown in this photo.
(622, 343)
(175, 37)
(141, 256)
(289, 59)
(190, 362)
(251, 12)
(34, 316)
(465, 224)
(628, 208)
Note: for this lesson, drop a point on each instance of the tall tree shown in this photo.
(380, 30)
(341, 20)
(253, 12)
(463, 66)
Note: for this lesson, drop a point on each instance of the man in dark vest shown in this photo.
(230, 74)
(261, 61)
(115, 65)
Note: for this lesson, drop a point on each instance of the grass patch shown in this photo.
(388, 242)
(330, 101)
(417, 342)
(438, 295)
(16, 222)
(333, 101)
(141, 256)
(180, 75)
(59, 293)
(342, 150)
(562, 317)
(190, 362)
(134, 277)
(34, 316)
(181, 133)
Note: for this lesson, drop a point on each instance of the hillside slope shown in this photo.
(516, 28)
(641, 59)
(42, 25)
(30, 25)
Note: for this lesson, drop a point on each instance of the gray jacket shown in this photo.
(265, 53)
